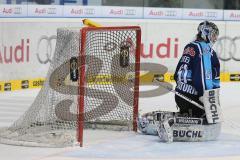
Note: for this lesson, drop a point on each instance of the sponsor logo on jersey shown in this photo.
(190, 51)
(208, 74)
(186, 88)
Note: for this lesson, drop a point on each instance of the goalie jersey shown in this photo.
(197, 70)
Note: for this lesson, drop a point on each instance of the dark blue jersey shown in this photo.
(197, 70)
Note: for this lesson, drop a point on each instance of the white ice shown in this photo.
(129, 145)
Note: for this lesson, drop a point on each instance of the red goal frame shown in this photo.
(81, 89)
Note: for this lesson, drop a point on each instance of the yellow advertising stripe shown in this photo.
(224, 77)
(168, 77)
(1, 86)
(13, 85)
(145, 78)
(106, 79)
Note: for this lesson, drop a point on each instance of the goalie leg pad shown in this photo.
(212, 106)
(170, 128)
(193, 131)
(196, 133)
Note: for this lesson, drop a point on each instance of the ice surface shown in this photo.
(144, 147)
(128, 145)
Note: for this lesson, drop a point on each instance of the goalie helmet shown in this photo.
(208, 31)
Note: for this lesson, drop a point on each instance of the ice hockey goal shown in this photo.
(92, 82)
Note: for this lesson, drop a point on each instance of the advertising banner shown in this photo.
(13, 10)
(116, 12)
(162, 13)
(27, 46)
(231, 15)
(207, 14)
(122, 12)
(81, 11)
(45, 11)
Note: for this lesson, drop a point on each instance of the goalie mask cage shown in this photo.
(92, 82)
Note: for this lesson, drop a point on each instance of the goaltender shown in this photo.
(197, 79)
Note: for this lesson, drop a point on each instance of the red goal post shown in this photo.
(124, 40)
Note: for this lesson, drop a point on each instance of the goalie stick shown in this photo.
(179, 94)
(212, 109)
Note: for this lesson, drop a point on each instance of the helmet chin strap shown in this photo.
(208, 41)
(211, 44)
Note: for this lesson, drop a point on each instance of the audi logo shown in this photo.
(228, 48)
(46, 43)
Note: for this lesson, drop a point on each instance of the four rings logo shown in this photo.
(17, 10)
(211, 14)
(89, 11)
(171, 13)
(130, 12)
(52, 11)
(228, 48)
(45, 48)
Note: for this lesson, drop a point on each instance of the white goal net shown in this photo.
(92, 82)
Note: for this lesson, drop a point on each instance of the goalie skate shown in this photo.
(164, 127)
(146, 124)
(142, 124)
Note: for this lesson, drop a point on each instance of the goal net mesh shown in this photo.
(109, 85)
